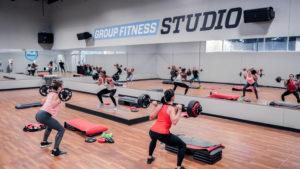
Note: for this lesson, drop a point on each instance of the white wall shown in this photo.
(20, 23)
(72, 17)
(180, 54)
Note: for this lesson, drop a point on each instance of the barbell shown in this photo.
(253, 71)
(193, 108)
(64, 95)
(278, 79)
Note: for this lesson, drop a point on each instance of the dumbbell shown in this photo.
(64, 95)
(193, 108)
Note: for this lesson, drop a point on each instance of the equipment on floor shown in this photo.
(90, 139)
(223, 96)
(134, 109)
(32, 127)
(28, 105)
(240, 88)
(201, 150)
(193, 108)
(156, 90)
(88, 128)
(167, 82)
(284, 105)
(190, 85)
(64, 95)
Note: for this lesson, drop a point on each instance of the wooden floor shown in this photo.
(266, 94)
(247, 146)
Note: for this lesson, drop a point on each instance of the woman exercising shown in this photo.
(173, 72)
(129, 72)
(251, 77)
(116, 76)
(50, 68)
(291, 87)
(178, 82)
(166, 115)
(109, 88)
(195, 77)
(45, 115)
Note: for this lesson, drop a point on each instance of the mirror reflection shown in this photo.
(234, 70)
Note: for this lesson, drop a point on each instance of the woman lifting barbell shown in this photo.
(166, 116)
(129, 74)
(291, 87)
(50, 108)
(251, 77)
(110, 88)
(178, 82)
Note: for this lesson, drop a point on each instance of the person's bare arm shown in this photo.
(155, 110)
(43, 100)
(57, 101)
(175, 114)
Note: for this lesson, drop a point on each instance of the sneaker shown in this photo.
(180, 167)
(150, 160)
(57, 152)
(115, 109)
(45, 144)
(100, 105)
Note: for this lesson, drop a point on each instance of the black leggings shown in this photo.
(254, 88)
(45, 118)
(111, 95)
(169, 139)
(62, 68)
(181, 84)
(295, 93)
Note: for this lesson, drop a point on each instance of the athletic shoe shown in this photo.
(115, 109)
(150, 160)
(100, 105)
(180, 167)
(57, 152)
(45, 144)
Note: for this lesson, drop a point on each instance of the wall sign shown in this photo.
(31, 55)
(128, 30)
(201, 21)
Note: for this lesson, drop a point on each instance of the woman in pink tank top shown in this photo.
(251, 80)
(45, 116)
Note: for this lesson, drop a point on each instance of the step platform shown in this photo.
(284, 105)
(201, 150)
(216, 95)
(123, 114)
(240, 88)
(28, 105)
(190, 85)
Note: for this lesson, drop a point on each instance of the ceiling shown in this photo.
(47, 1)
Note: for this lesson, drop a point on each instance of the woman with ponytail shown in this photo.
(167, 115)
